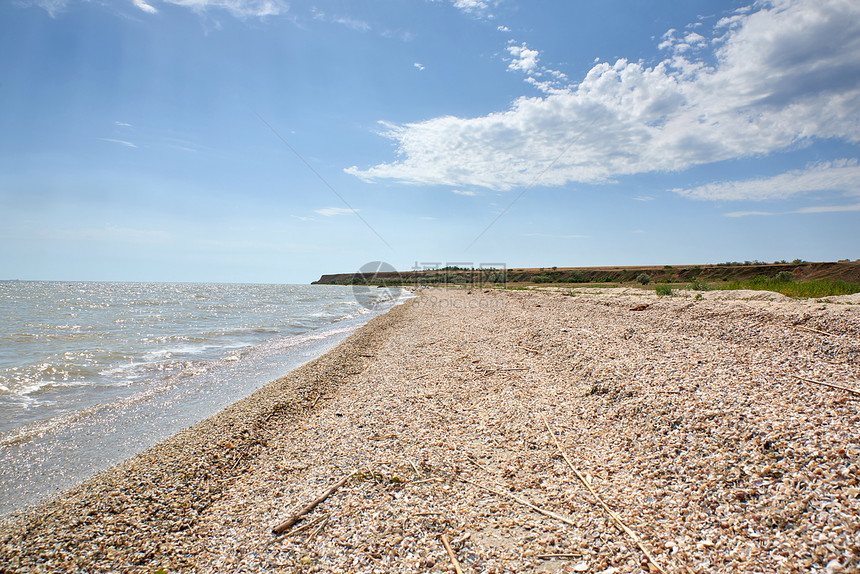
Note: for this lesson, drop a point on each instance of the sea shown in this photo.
(92, 373)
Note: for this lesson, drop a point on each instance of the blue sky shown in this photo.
(231, 140)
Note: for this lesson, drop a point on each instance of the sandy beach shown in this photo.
(561, 430)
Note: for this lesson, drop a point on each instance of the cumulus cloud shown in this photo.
(329, 211)
(782, 74)
(524, 59)
(472, 6)
(842, 176)
(418, 65)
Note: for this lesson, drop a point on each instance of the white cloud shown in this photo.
(144, 6)
(643, 198)
(525, 59)
(122, 124)
(829, 208)
(503, 29)
(554, 236)
(747, 213)
(802, 210)
(121, 142)
(51, 6)
(783, 74)
(329, 211)
(419, 65)
(238, 8)
(464, 192)
(358, 25)
(840, 176)
(472, 6)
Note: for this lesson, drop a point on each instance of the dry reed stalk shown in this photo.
(451, 554)
(317, 530)
(298, 530)
(284, 526)
(608, 510)
(815, 331)
(522, 501)
(831, 385)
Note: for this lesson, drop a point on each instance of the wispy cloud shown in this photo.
(464, 192)
(354, 24)
(555, 236)
(643, 198)
(829, 208)
(418, 65)
(144, 6)
(840, 175)
(238, 8)
(52, 7)
(802, 210)
(748, 213)
(749, 91)
(121, 142)
(329, 211)
(122, 125)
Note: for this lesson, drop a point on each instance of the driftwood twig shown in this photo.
(831, 385)
(608, 510)
(298, 530)
(811, 330)
(451, 554)
(317, 530)
(284, 526)
(522, 501)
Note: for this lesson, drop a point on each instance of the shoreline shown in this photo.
(683, 415)
(168, 484)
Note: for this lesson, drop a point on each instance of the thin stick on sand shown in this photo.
(814, 330)
(522, 501)
(608, 510)
(451, 554)
(295, 531)
(284, 526)
(831, 385)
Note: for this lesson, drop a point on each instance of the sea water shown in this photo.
(93, 373)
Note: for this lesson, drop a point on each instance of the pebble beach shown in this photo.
(551, 430)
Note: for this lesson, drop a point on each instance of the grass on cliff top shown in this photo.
(807, 289)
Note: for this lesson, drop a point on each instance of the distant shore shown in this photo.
(847, 271)
(684, 414)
